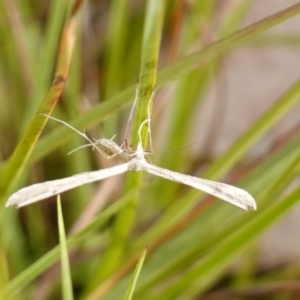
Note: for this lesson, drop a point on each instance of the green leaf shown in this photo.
(67, 290)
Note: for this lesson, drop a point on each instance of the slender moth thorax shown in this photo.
(137, 163)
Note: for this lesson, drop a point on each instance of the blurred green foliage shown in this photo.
(193, 241)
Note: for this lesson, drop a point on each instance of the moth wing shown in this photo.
(229, 193)
(43, 190)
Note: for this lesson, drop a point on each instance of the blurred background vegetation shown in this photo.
(198, 247)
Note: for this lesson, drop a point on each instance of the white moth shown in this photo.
(136, 162)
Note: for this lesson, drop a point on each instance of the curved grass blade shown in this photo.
(135, 276)
(66, 278)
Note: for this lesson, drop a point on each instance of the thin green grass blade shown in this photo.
(66, 279)
(135, 276)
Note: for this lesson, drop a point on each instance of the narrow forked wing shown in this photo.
(223, 191)
(43, 190)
